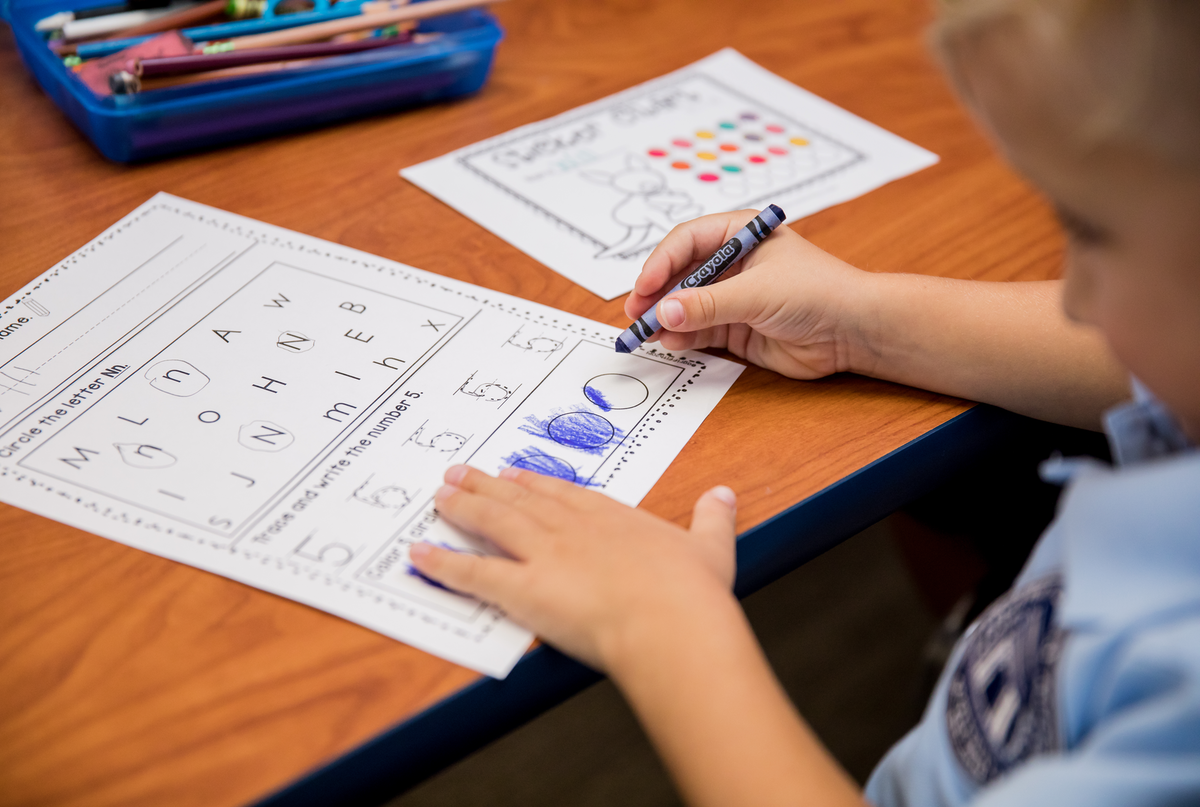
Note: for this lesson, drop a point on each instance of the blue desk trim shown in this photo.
(486, 710)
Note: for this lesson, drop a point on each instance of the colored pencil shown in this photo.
(177, 65)
(56, 21)
(177, 19)
(125, 83)
(115, 23)
(325, 30)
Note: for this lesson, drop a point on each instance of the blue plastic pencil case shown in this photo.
(168, 121)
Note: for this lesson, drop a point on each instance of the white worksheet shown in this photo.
(590, 192)
(279, 410)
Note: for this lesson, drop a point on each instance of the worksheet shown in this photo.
(279, 410)
(590, 192)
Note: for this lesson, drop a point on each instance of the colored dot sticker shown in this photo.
(748, 116)
(779, 150)
(705, 135)
(727, 125)
(681, 165)
(753, 136)
(706, 155)
(708, 177)
(799, 141)
(683, 144)
(657, 153)
(757, 158)
(728, 147)
(733, 169)
(774, 128)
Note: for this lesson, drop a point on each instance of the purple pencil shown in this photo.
(177, 65)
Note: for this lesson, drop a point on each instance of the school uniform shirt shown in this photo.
(1080, 686)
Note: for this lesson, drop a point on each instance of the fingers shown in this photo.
(714, 526)
(684, 248)
(490, 579)
(507, 526)
(736, 300)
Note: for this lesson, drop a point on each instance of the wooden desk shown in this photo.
(129, 679)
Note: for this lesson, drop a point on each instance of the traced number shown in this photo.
(334, 554)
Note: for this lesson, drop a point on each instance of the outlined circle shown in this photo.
(200, 417)
(580, 430)
(616, 391)
(546, 465)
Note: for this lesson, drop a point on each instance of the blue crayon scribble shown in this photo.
(597, 397)
(534, 459)
(583, 431)
(414, 572)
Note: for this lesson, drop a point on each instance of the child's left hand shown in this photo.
(589, 575)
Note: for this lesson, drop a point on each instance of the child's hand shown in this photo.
(788, 306)
(589, 575)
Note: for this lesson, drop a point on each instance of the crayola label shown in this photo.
(715, 265)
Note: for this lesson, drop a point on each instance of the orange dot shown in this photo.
(728, 147)
(706, 155)
(681, 165)
(799, 141)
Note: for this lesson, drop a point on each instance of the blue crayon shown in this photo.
(730, 253)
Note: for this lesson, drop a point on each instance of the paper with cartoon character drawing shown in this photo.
(590, 192)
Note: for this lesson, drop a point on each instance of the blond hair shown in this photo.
(1128, 70)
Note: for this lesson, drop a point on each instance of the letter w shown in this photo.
(277, 303)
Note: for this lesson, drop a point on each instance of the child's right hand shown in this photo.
(788, 306)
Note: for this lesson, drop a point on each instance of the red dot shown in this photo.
(777, 150)
(757, 158)
(774, 127)
(681, 165)
(708, 177)
(728, 147)
(657, 153)
(683, 144)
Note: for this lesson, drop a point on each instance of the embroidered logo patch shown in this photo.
(1000, 709)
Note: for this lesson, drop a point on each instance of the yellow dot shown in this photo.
(706, 155)
(705, 135)
(799, 141)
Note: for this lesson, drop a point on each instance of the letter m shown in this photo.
(337, 410)
(75, 462)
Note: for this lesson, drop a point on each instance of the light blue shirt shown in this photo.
(1081, 685)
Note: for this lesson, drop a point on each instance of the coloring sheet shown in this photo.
(590, 192)
(279, 410)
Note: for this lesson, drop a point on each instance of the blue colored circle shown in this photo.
(580, 430)
(546, 465)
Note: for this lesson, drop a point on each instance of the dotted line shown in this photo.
(109, 316)
(313, 573)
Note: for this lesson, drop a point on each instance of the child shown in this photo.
(1082, 684)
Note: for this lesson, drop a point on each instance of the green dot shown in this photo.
(733, 169)
(727, 125)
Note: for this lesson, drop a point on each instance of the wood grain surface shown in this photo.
(126, 679)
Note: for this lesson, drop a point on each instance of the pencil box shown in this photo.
(168, 121)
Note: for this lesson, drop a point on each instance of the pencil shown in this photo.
(125, 83)
(176, 65)
(177, 19)
(325, 30)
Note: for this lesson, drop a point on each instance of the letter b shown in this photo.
(353, 308)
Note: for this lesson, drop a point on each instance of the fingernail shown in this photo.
(510, 473)
(671, 312)
(444, 492)
(454, 474)
(725, 494)
(419, 551)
